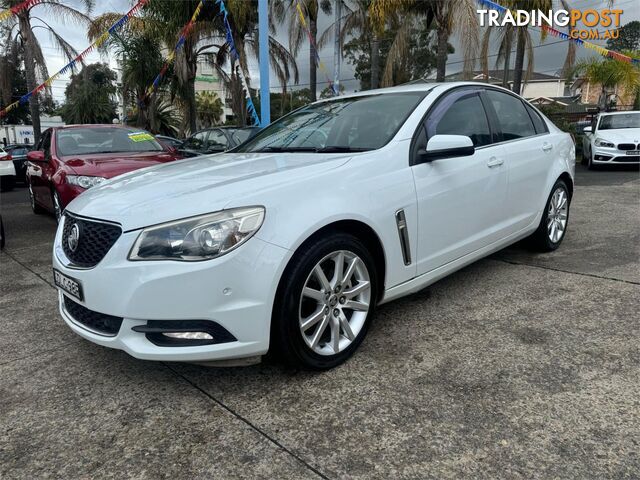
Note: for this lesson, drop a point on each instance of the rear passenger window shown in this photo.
(513, 119)
(466, 116)
(538, 122)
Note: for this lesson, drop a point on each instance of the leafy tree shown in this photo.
(13, 84)
(90, 96)
(21, 32)
(311, 9)
(610, 73)
(210, 109)
(419, 61)
(628, 38)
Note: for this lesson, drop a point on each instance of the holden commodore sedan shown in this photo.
(71, 159)
(289, 242)
(612, 138)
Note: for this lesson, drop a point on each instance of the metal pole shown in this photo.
(263, 40)
(336, 49)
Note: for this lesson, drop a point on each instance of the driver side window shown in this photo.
(197, 141)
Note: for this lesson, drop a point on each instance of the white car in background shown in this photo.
(7, 171)
(612, 139)
(291, 240)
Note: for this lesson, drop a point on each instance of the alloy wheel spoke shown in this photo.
(319, 331)
(313, 319)
(339, 261)
(346, 328)
(357, 290)
(355, 305)
(322, 278)
(335, 335)
(313, 293)
(350, 270)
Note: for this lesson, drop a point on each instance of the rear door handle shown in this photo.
(547, 147)
(494, 162)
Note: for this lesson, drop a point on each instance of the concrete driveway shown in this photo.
(522, 365)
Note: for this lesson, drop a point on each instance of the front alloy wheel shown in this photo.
(554, 222)
(325, 302)
(335, 302)
(57, 206)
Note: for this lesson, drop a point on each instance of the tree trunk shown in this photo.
(30, 70)
(442, 54)
(507, 60)
(375, 61)
(517, 74)
(313, 28)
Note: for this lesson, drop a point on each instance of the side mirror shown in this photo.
(36, 156)
(587, 130)
(446, 146)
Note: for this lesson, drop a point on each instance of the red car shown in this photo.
(68, 160)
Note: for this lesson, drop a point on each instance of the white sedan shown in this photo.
(7, 171)
(612, 138)
(290, 241)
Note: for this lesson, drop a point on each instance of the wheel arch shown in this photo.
(363, 232)
(569, 181)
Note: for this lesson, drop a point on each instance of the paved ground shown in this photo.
(521, 365)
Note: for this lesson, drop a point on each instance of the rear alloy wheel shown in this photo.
(555, 220)
(57, 205)
(326, 301)
(37, 209)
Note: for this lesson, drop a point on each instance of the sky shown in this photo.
(549, 55)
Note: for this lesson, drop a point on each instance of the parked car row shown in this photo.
(13, 165)
(612, 138)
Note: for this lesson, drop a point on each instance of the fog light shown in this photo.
(189, 335)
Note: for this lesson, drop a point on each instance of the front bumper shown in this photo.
(611, 156)
(235, 291)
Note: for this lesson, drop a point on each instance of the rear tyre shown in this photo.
(554, 221)
(590, 164)
(37, 209)
(324, 303)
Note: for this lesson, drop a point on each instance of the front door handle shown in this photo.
(547, 147)
(494, 162)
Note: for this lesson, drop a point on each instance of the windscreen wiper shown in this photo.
(341, 149)
(287, 149)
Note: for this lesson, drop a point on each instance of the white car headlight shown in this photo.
(604, 143)
(198, 238)
(84, 181)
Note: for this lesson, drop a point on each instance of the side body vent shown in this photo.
(403, 232)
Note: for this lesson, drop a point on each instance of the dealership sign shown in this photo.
(607, 19)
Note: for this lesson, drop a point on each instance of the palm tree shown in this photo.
(610, 73)
(311, 9)
(450, 16)
(210, 108)
(21, 31)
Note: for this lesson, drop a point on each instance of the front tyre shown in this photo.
(325, 302)
(554, 221)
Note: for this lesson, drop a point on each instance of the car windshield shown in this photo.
(345, 125)
(242, 135)
(79, 141)
(622, 120)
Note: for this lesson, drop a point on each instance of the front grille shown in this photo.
(94, 241)
(627, 146)
(98, 322)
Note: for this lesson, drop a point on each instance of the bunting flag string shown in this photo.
(15, 10)
(557, 33)
(171, 57)
(71, 65)
(236, 56)
(319, 63)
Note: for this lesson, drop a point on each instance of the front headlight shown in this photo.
(84, 181)
(198, 238)
(603, 143)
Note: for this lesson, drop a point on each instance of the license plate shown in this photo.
(633, 152)
(68, 284)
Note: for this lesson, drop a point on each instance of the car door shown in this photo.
(39, 172)
(461, 200)
(528, 153)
